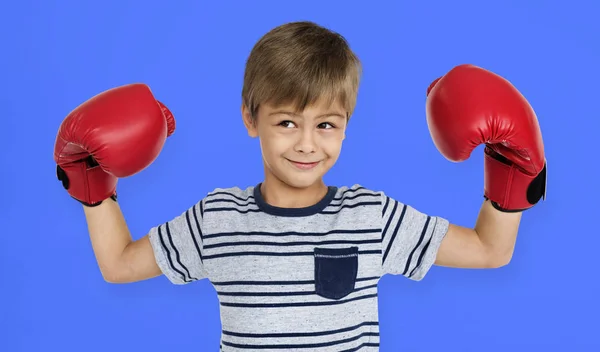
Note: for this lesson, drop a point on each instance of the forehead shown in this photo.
(319, 107)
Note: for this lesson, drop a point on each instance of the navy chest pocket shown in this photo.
(335, 271)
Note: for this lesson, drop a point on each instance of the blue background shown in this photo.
(57, 54)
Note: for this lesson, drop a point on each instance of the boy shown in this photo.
(296, 262)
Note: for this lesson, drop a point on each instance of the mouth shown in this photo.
(304, 165)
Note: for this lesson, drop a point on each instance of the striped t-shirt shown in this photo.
(302, 279)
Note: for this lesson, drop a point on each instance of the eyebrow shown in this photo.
(291, 113)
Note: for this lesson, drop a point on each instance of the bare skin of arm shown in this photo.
(120, 259)
(490, 244)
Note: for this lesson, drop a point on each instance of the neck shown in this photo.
(279, 194)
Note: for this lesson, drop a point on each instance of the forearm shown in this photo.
(498, 232)
(109, 235)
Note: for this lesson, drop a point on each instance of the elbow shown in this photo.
(114, 276)
(498, 258)
(111, 278)
(499, 261)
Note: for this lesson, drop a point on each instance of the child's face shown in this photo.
(298, 148)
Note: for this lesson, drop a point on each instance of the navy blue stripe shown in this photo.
(168, 252)
(221, 193)
(348, 206)
(250, 199)
(366, 344)
(189, 223)
(297, 304)
(336, 210)
(234, 201)
(301, 334)
(280, 283)
(292, 233)
(298, 346)
(423, 232)
(224, 209)
(288, 244)
(275, 254)
(395, 233)
(387, 203)
(389, 221)
(343, 199)
(424, 250)
(177, 255)
(282, 293)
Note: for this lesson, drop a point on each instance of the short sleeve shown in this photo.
(177, 246)
(410, 239)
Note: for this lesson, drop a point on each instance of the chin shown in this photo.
(302, 184)
(301, 181)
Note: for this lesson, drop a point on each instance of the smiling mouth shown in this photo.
(304, 165)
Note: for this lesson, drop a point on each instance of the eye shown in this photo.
(325, 125)
(286, 124)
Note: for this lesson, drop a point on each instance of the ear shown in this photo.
(249, 121)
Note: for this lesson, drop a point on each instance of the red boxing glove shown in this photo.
(117, 133)
(469, 106)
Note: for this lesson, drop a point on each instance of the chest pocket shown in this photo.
(335, 271)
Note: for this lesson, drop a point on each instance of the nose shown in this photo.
(306, 142)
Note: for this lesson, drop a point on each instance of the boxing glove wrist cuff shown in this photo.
(89, 186)
(509, 188)
(97, 203)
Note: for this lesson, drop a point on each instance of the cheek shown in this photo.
(274, 145)
(332, 144)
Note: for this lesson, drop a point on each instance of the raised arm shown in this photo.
(117, 133)
(120, 259)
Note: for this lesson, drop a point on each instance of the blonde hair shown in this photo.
(301, 63)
